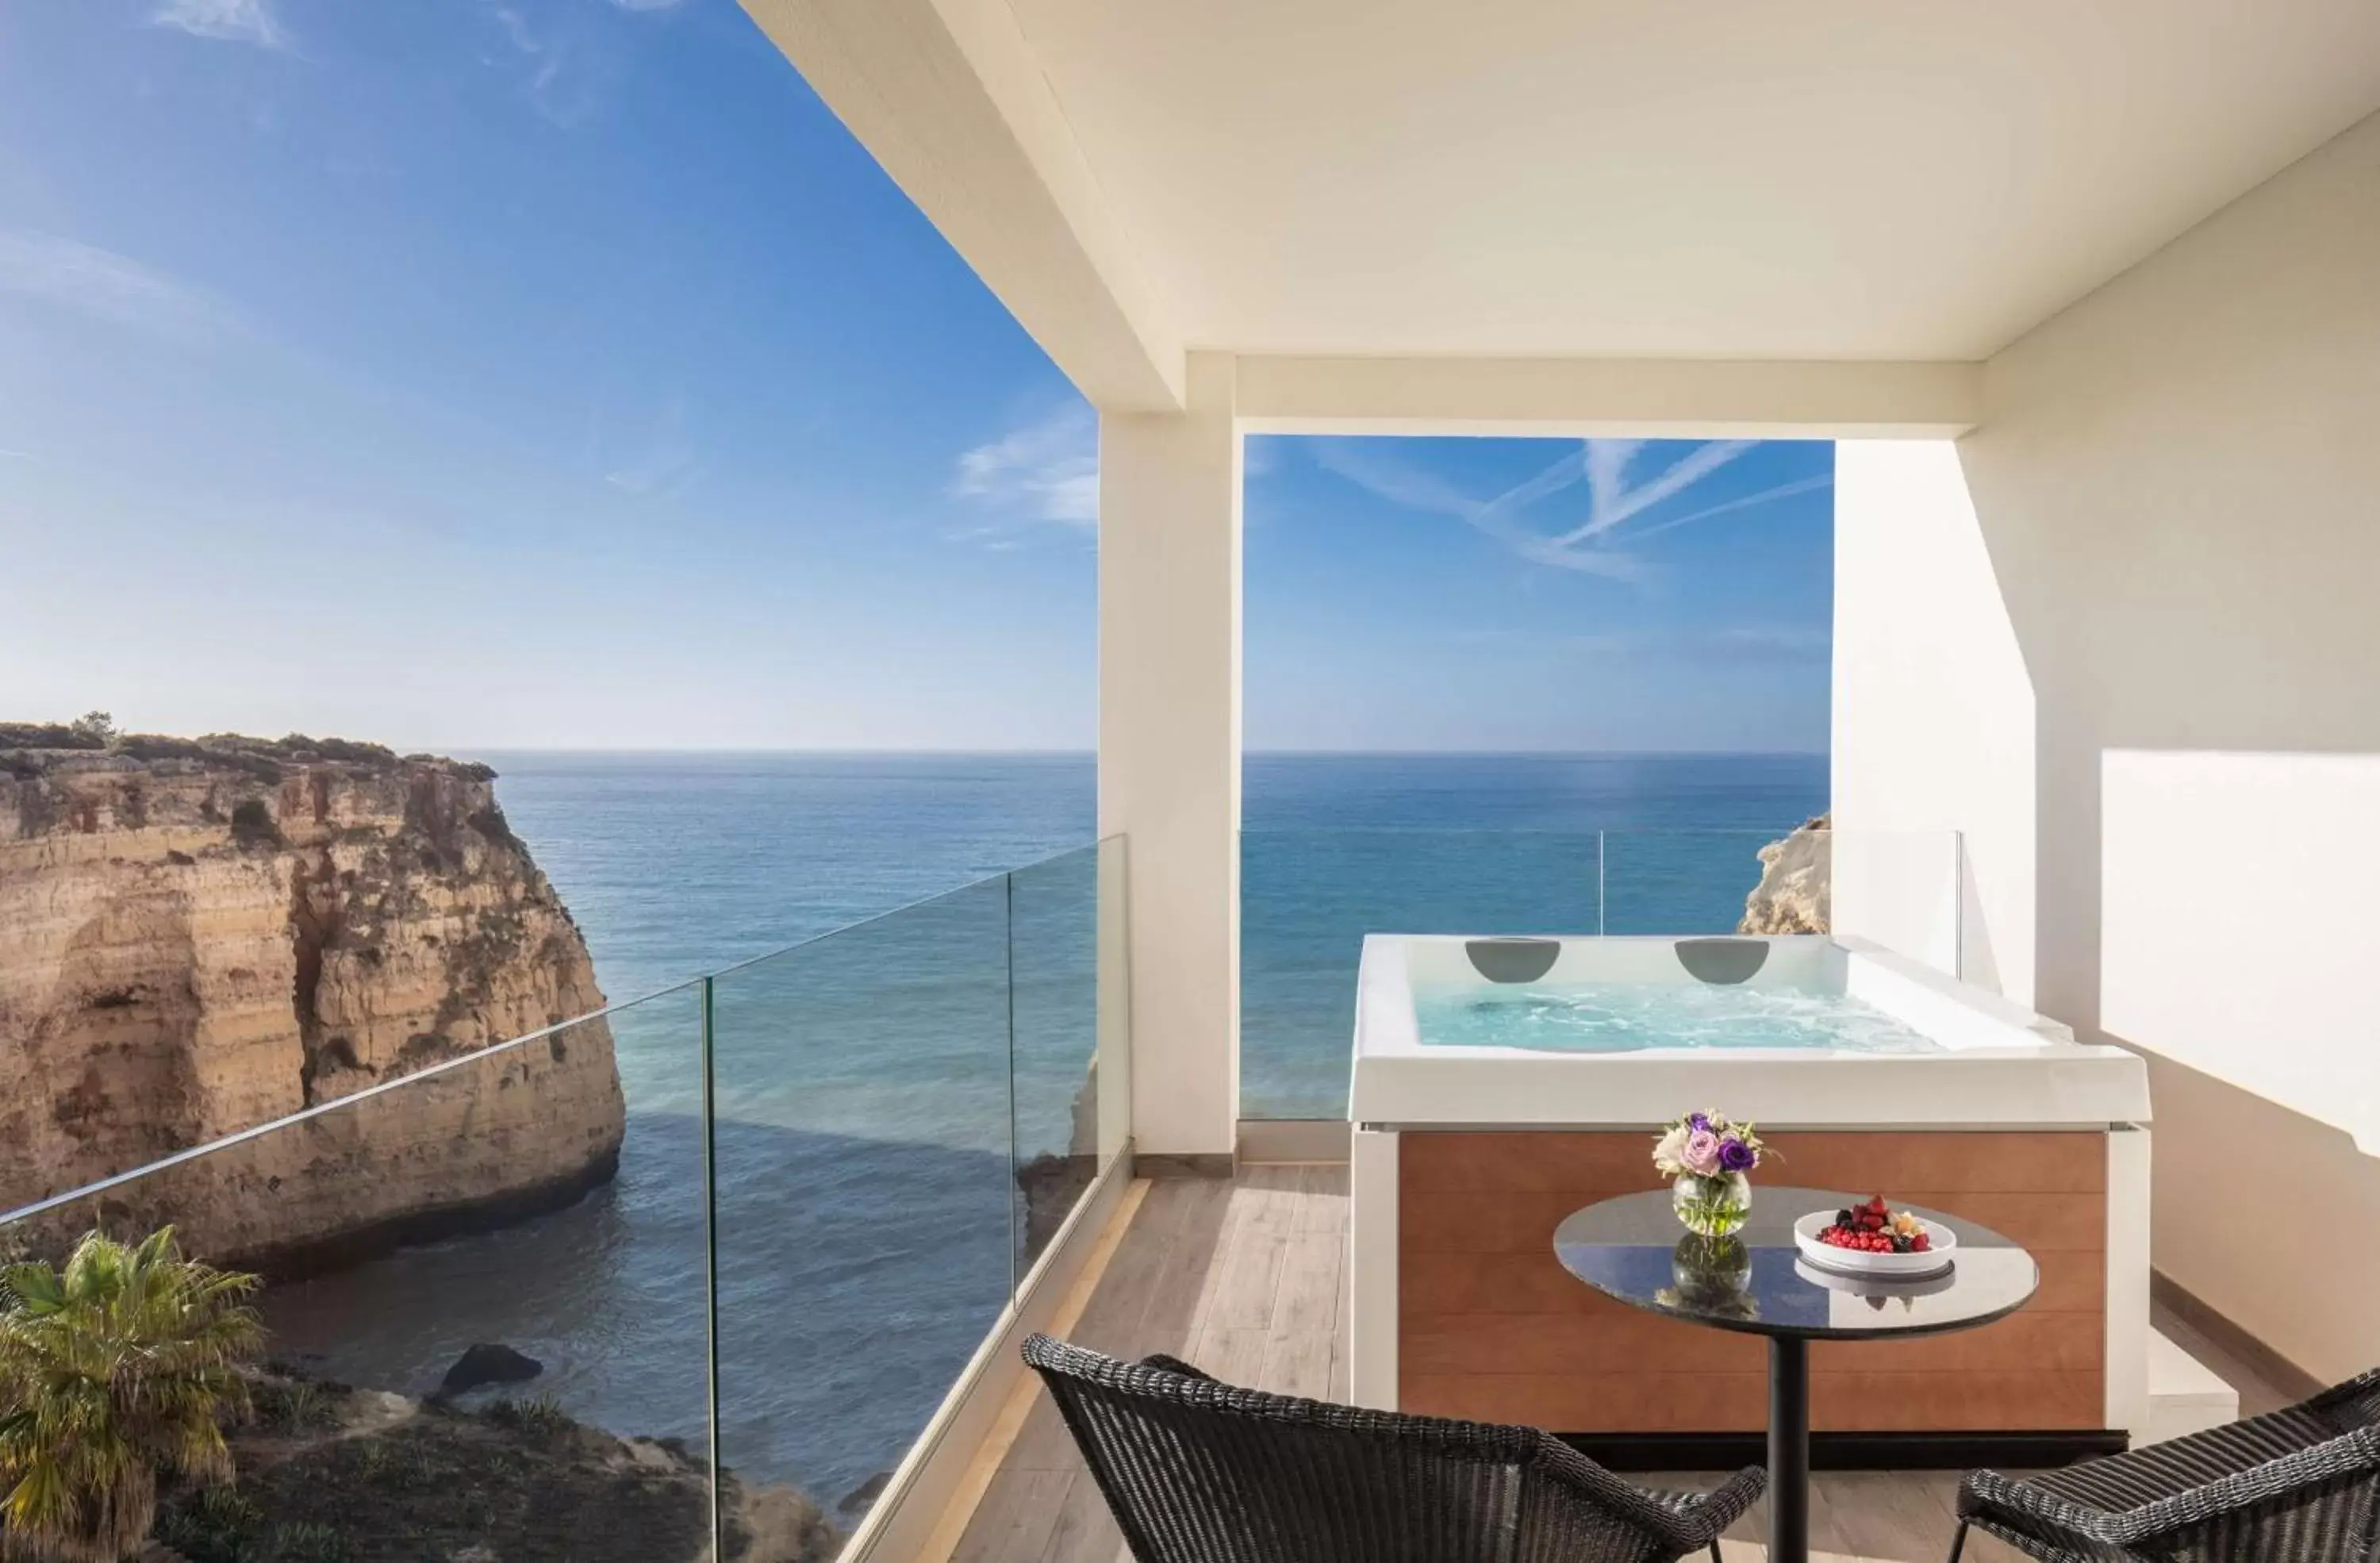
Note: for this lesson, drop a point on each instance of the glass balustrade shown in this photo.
(524, 1301)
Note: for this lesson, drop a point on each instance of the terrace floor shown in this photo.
(1243, 1278)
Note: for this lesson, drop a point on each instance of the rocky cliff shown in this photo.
(1795, 892)
(341, 1476)
(197, 937)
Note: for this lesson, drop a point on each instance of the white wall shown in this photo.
(2263, 865)
(1933, 720)
(2178, 479)
(1170, 751)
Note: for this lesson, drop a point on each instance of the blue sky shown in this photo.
(558, 372)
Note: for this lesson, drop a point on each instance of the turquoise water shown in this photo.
(1630, 1017)
(863, 1079)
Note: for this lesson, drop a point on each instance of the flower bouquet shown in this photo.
(1710, 1159)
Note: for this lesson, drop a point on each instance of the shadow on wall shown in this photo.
(2174, 478)
(2222, 1156)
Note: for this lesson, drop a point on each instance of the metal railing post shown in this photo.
(1016, 1263)
(711, 1261)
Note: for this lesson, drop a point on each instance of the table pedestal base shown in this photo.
(1789, 1450)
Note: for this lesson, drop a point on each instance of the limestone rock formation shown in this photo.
(201, 935)
(1794, 895)
(326, 1472)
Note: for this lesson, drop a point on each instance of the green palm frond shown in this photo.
(122, 1367)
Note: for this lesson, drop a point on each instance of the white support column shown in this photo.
(1373, 1179)
(2127, 1279)
(1169, 750)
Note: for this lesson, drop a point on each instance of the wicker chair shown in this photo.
(2300, 1485)
(1197, 1472)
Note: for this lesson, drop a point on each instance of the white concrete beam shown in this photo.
(1686, 398)
(1170, 751)
(946, 95)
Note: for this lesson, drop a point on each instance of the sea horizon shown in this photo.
(1092, 753)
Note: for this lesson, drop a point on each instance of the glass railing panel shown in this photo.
(864, 1204)
(476, 1317)
(1308, 897)
(1900, 889)
(1685, 881)
(1055, 911)
(1906, 891)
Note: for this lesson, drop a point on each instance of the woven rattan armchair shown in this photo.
(2300, 1485)
(1197, 1472)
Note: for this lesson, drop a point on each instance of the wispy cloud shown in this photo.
(1799, 485)
(570, 67)
(234, 21)
(1370, 465)
(1597, 546)
(517, 29)
(1611, 501)
(647, 5)
(1759, 644)
(660, 461)
(113, 287)
(1043, 472)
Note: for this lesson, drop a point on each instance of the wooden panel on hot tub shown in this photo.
(1492, 1328)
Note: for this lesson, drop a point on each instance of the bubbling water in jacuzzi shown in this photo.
(1632, 1017)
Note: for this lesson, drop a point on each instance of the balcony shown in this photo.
(1248, 1280)
(2098, 366)
(852, 1174)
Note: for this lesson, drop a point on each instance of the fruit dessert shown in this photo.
(1874, 1229)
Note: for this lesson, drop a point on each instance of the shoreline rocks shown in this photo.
(484, 1363)
(366, 1476)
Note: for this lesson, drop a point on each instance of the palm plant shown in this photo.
(120, 1369)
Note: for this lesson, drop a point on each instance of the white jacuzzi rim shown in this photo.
(2001, 1063)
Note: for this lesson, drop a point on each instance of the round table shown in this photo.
(1633, 1248)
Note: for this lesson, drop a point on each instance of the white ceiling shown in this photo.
(1710, 178)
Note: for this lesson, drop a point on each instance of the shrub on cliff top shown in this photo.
(118, 1370)
(96, 731)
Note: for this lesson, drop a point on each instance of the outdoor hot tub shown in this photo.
(1501, 1083)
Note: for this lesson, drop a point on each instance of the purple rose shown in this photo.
(1735, 1156)
(1701, 1155)
(1697, 1121)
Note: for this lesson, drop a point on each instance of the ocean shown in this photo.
(865, 1080)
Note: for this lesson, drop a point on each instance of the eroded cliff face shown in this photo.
(199, 937)
(1795, 893)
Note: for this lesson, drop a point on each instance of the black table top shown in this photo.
(1631, 1248)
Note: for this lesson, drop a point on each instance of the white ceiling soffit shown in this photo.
(1726, 179)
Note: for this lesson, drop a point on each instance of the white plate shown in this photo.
(1853, 1262)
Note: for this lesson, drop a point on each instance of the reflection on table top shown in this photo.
(1632, 1249)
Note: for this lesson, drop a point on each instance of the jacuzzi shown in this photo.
(1500, 1082)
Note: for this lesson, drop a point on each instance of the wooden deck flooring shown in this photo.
(1244, 1279)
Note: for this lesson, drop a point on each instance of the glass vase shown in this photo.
(1711, 1276)
(1716, 1206)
